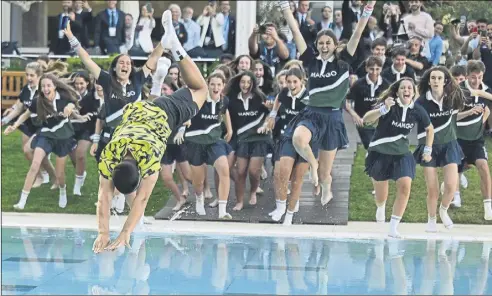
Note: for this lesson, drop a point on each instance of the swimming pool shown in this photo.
(39, 261)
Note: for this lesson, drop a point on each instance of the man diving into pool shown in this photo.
(131, 160)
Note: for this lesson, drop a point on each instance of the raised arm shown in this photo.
(354, 40)
(93, 68)
(291, 21)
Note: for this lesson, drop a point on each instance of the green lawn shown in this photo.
(44, 200)
(363, 208)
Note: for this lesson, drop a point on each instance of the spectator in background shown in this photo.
(306, 24)
(378, 49)
(129, 34)
(420, 24)
(399, 68)
(109, 33)
(351, 12)
(60, 44)
(390, 20)
(482, 26)
(285, 30)
(436, 44)
(144, 28)
(212, 35)
(270, 49)
(80, 25)
(192, 45)
(338, 28)
(178, 26)
(229, 28)
(415, 58)
(226, 58)
(326, 19)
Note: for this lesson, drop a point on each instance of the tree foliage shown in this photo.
(473, 10)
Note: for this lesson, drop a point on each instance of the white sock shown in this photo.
(46, 177)
(62, 201)
(431, 224)
(222, 208)
(279, 212)
(22, 202)
(446, 220)
(487, 207)
(394, 222)
(170, 40)
(160, 74)
(288, 218)
(79, 181)
(276, 207)
(200, 205)
(381, 213)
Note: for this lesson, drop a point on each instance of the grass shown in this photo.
(44, 200)
(363, 208)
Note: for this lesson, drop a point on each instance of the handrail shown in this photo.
(137, 58)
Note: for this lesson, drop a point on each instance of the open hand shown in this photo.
(426, 157)
(122, 240)
(94, 149)
(9, 129)
(100, 243)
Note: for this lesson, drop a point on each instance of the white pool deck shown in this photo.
(357, 230)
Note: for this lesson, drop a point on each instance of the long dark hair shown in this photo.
(115, 86)
(392, 90)
(84, 75)
(44, 106)
(453, 95)
(267, 87)
(235, 63)
(233, 89)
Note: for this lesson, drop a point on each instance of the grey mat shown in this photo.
(310, 209)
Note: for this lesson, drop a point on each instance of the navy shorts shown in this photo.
(83, 134)
(105, 139)
(285, 148)
(442, 155)
(366, 135)
(382, 167)
(173, 153)
(28, 129)
(473, 151)
(326, 125)
(252, 149)
(60, 147)
(199, 154)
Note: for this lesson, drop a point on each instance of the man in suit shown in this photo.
(59, 43)
(109, 32)
(80, 25)
(306, 25)
(229, 28)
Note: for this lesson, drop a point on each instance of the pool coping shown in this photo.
(371, 230)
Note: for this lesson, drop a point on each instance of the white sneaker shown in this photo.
(62, 201)
(431, 226)
(446, 220)
(20, 205)
(200, 206)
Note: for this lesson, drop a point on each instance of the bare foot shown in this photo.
(179, 204)
(238, 207)
(252, 199)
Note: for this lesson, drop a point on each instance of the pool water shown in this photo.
(48, 261)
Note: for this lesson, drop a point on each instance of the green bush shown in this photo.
(75, 63)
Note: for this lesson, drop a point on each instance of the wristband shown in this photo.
(284, 5)
(5, 120)
(74, 43)
(427, 150)
(95, 138)
(367, 11)
(273, 114)
(182, 129)
(383, 110)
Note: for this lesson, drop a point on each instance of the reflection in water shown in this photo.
(62, 262)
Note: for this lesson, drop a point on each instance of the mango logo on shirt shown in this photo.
(441, 114)
(208, 116)
(402, 124)
(326, 75)
(248, 113)
(369, 99)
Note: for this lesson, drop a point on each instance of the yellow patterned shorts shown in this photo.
(143, 133)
